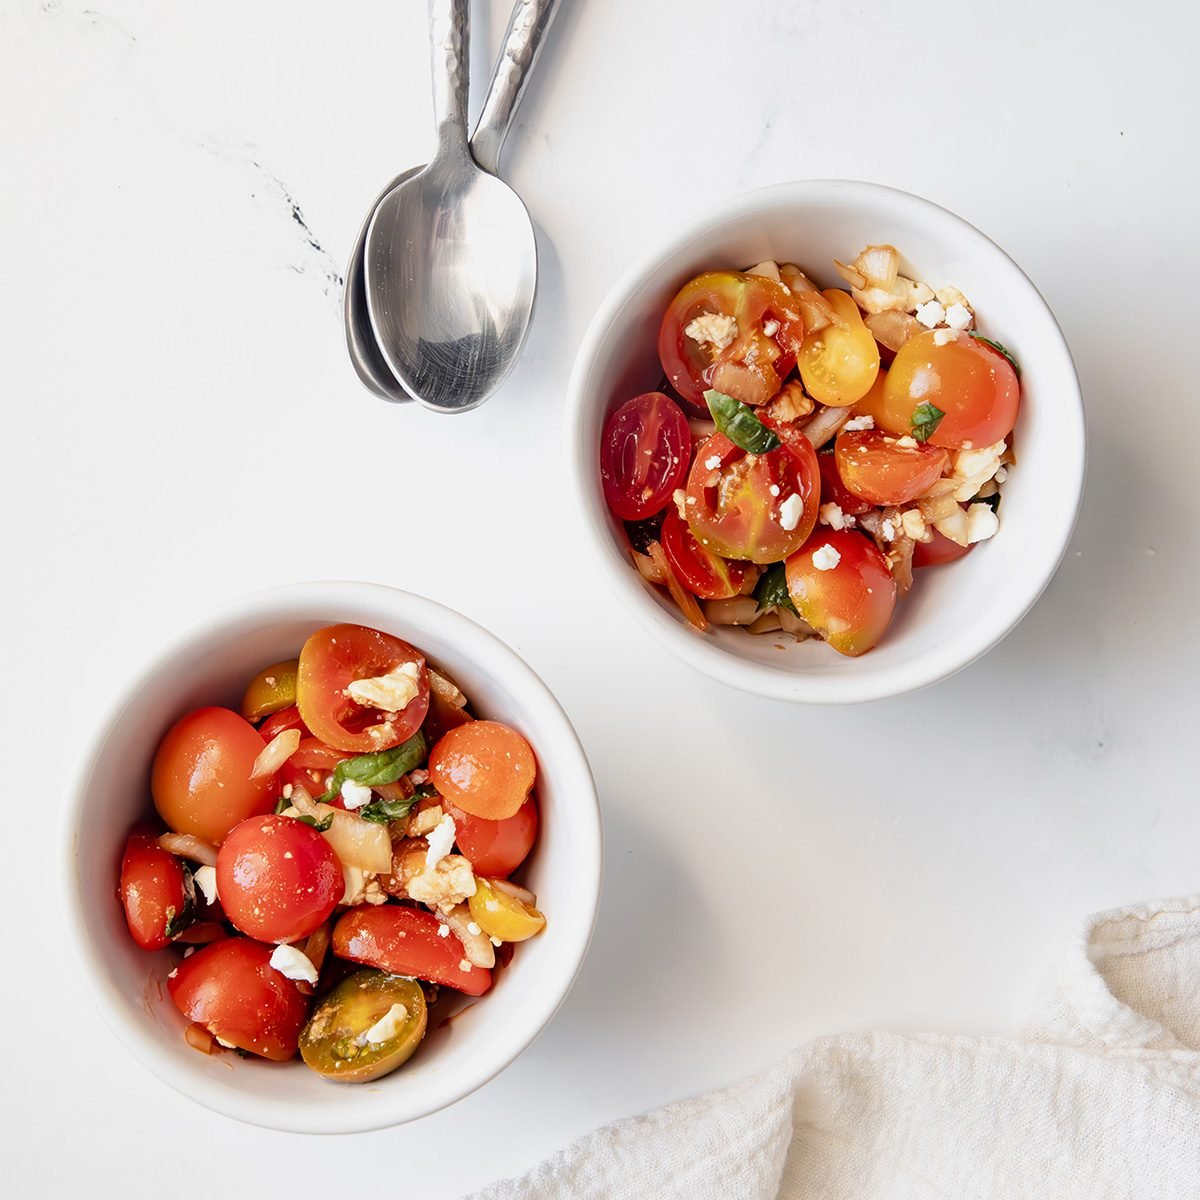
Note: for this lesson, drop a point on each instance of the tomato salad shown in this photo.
(807, 448)
(335, 856)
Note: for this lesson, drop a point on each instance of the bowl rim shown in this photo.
(298, 600)
(702, 652)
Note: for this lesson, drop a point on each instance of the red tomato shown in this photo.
(484, 768)
(834, 491)
(155, 891)
(974, 385)
(404, 941)
(232, 990)
(278, 879)
(497, 848)
(644, 455)
(940, 550)
(280, 722)
(732, 509)
(335, 657)
(703, 572)
(851, 602)
(313, 754)
(201, 781)
(879, 469)
(752, 365)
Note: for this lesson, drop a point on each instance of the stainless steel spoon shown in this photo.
(522, 41)
(451, 260)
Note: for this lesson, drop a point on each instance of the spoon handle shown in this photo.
(448, 40)
(529, 21)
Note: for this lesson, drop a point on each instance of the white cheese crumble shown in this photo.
(441, 840)
(355, 795)
(913, 523)
(473, 929)
(222, 1042)
(711, 464)
(958, 316)
(907, 442)
(293, 964)
(774, 489)
(887, 530)
(943, 337)
(931, 314)
(857, 423)
(982, 523)
(831, 514)
(443, 931)
(716, 329)
(206, 881)
(826, 558)
(973, 468)
(392, 692)
(770, 328)
(387, 1026)
(790, 512)
(680, 498)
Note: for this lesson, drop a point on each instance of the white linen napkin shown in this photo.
(1100, 1098)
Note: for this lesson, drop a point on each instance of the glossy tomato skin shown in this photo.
(851, 604)
(974, 385)
(644, 455)
(278, 879)
(839, 363)
(485, 768)
(702, 572)
(281, 722)
(938, 551)
(200, 780)
(732, 510)
(405, 941)
(880, 469)
(497, 848)
(155, 890)
(834, 491)
(232, 990)
(335, 657)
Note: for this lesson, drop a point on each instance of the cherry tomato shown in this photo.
(484, 768)
(839, 363)
(752, 364)
(974, 385)
(644, 455)
(834, 491)
(201, 781)
(879, 469)
(281, 722)
(278, 879)
(405, 941)
(706, 574)
(273, 688)
(874, 405)
(940, 550)
(497, 848)
(232, 990)
(739, 509)
(850, 596)
(503, 916)
(313, 754)
(334, 658)
(155, 891)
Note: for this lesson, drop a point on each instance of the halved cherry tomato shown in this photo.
(273, 688)
(503, 915)
(281, 722)
(405, 941)
(335, 657)
(484, 768)
(644, 455)
(879, 469)
(706, 574)
(834, 491)
(201, 781)
(496, 848)
(155, 891)
(312, 753)
(971, 383)
(232, 990)
(839, 363)
(752, 365)
(742, 508)
(849, 598)
(940, 550)
(278, 879)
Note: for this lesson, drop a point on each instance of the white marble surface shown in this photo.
(181, 186)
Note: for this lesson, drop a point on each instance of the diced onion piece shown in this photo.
(824, 424)
(892, 329)
(900, 560)
(358, 843)
(648, 569)
(750, 582)
(879, 264)
(793, 624)
(954, 526)
(513, 889)
(795, 279)
(937, 508)
(701, 429)
(767, 622)
(199, 1038)
(188, 846)
(275, 753)
(476, 946)
(768, 269)
(817, 311)
(737, 610)
(444, 689)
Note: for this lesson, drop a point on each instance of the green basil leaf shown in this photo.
(177, 922)
(319, 826)
(999, 349)
(925, 420)
(382, 812)
(385, 766)
(739, 424)
(772, 590)
(282, 805)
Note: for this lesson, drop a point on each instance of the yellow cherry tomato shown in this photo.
(838, 363)
(502, 915)
(272, 689)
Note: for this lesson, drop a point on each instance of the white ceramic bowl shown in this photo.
(954, 613)
(210, 664)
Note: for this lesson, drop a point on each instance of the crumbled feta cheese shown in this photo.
(392, 692)
(441, 840)
(943, 337)
(826, 558)
(206, 881)
(473, 929)
(711, 464)
(449, 883)
(355, 795)
(973, 468)
(930, 314)
(913, 523)
(361, 887)
(770, 328)
(680, 498)
(496, 941)
(443, 931)
(982, 523)
(887, 530)
(958, 316)
(716, 329)
(293, 964)
(464, 964)
(287, 791)
(790, 512)
(831, 514)
(857, 423)
(774, 489)
(387, 1026)
(907, 442)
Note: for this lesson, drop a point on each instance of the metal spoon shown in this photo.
(522, 41)
(451, 261)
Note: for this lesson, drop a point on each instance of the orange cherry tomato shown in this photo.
(940, 550)
(753, 362)
(200, 780)
(704, 573)
(841, 585)
(838, 363)
(974, 385)
(335, 657)
(154, 891)
(834, 491)
(273, 688)
(874, 404)
(879, 469)
(484, 768)
(496, 848)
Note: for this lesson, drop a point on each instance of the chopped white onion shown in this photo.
(275, 753)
